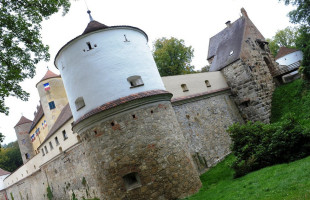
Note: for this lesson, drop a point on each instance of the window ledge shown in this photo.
(136, 86)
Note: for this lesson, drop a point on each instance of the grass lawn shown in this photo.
(279, 182)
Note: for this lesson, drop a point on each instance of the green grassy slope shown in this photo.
(279, 182)
(292, 97)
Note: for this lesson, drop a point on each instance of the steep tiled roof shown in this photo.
(3, 172)
(49, 74)
(37, 117)
(120, 101)
(93, 26)
(63, 117)
(284, 69)
(225, 46)
(283, 51)
(23, 120)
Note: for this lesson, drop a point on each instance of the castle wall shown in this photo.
(252, 88)
(148, 142)
(151, 145)
(204, 123)
(41, 136)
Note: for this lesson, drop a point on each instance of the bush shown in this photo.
(257, 145)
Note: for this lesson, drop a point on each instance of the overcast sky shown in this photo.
(193, 21)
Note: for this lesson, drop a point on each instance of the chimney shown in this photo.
(244, 13)
(228, 23)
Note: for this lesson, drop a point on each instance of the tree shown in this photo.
(283, 38)
(172, 57)
(21, 47)
(301, 15)
(10, 157)
(1, 139)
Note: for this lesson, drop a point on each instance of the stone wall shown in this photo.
(204, 123)
(3, 195)
(146, 146)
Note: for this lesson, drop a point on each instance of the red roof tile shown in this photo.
(93, 26)
(23, 120)
(3, 172)
(49, 74)
(283, 51)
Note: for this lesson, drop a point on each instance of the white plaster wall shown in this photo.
(35, 163)
(290, 58)
(100, 75)
(195, 83)
(1, 181)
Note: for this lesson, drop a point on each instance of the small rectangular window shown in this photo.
(43, 152)
(56, 141)
(184, 87)
(51, 146)
(132, 181)
(46, 151)
(207, 83)
(64, 134)
(27, 156)
(135, 81)
(52, 105)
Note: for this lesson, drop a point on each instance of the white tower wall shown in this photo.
(100, 75)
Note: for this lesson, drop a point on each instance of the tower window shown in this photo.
(207, 83)
(52, 105)
(64, 134)
(51, 146)
(56, 140)
(27, 156)
(184, 87)
(132, 181)
(135, 81)
(79, 103)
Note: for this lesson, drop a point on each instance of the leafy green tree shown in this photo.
(10, 157)
(172, 57)
(21, 47)
(301, 15)
(283, 38)
(1, 139)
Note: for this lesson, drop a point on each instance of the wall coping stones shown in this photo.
(199, 96)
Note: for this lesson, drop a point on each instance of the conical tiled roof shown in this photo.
(283, 51)
(23, 120)
(93, 26)
(49, 74)
(3, 172)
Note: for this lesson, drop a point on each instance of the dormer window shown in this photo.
(184, 87)
(135, 81)
(79, 103)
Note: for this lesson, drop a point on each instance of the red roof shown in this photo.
(49, 74)
(23, 120)
(93, 26)
(3, 172)
(283, 51)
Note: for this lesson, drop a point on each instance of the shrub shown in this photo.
(257, 145)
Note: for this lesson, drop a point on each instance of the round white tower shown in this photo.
(124, 116)
(104, 64)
